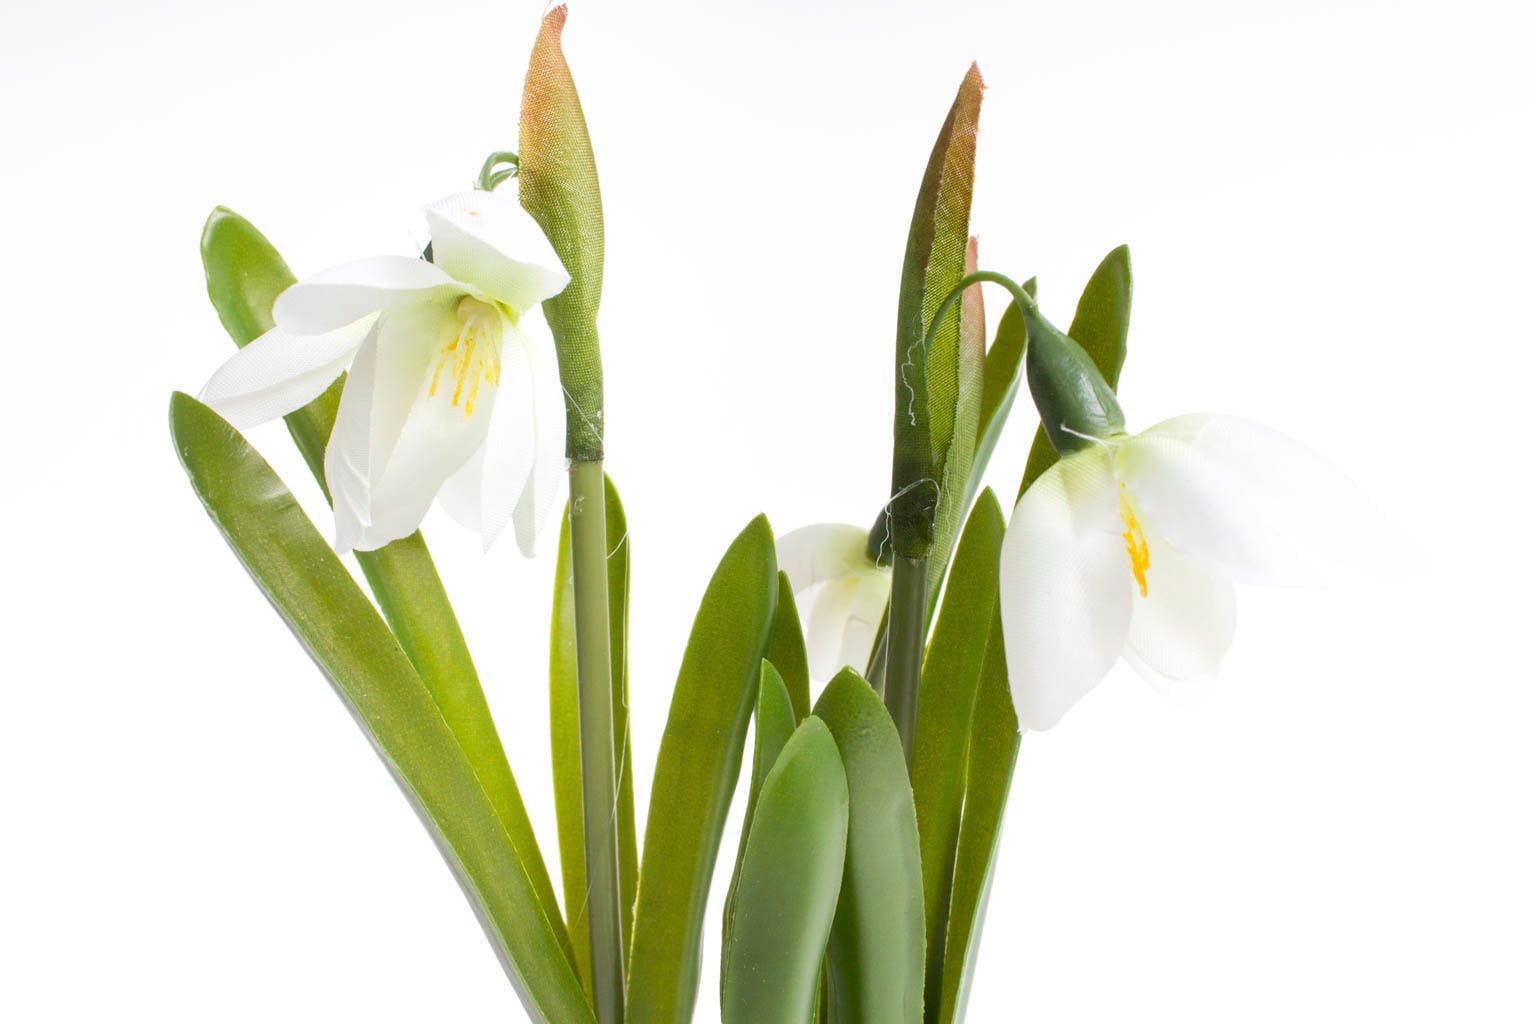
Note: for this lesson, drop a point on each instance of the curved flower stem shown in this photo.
(594, 690)
(907, 624)
(904, 645)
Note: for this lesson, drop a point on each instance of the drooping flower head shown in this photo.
(447, 394)
(1130, 544)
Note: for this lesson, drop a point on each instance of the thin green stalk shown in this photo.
(594, 687)
(904, 644)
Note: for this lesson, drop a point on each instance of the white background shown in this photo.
(1330, 211)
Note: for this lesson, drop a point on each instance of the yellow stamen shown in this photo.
(1135, 542)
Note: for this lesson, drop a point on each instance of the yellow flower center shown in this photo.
(1135, 541)
(472, 356)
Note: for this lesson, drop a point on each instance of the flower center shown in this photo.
(472, 356)
(1135, 541)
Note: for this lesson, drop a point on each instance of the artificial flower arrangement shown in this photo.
(874, 808)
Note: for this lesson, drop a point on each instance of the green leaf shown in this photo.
(951, 674)
(557, 184)
(792, 867)
(927, 381)
(565, 733)
(1100, 326)
(786, 649)
(875, 956)
(954, 494)
(245, 274)
(775, 718)
(696, 770)
(989, 771)
(312, 591)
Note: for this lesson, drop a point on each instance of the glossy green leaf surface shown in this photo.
(786, 649)
(774, 723)
(557, 184)
(927, 379)
(565, 734)
(245, 274)
(1100, 325)
(951, 673)
(875, 954)
(787, 892)
(696, 771)
(309, 587)
(994, 749)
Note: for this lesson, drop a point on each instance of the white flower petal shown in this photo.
(545, 441)
(1064, 587)
(280, 372)
(1237, 499)
(341, 295)
(490, 241)
(460, 494)
(438, 438)
(1184, 625)
(347, 452)
(823, 551)
(389, 378)
(868, 607)
(827, 624)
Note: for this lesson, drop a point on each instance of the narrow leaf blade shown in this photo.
(875, 954)
(951, 674)
(791, 871)
(312, 591)
(696, 771)
(994, 750)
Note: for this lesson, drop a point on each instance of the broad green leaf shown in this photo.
(565, 733)
(954, 495)
(927, 381)
(245, 274)
(775, 723)
(312, 591)
(1100, 326)
(875, 955)
(791, 870)
(786, 649)
(696, 771)
(557, 184)
(951, 673)
(989, 770)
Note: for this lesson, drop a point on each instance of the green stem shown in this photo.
(594, 695)
(904, 644)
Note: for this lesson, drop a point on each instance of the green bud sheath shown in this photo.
(1076, 403)
(557, 184)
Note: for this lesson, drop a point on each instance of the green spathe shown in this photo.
(1076, 403)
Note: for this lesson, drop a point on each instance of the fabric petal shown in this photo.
(1239, 500)
(280, 372)
(347, 451)
(460, 494)
(814, 554)
(870, 597)
(341, 295)
(490, 241)
(545, 440)
(1064, 586)
(827, 624)
(1184, 625)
